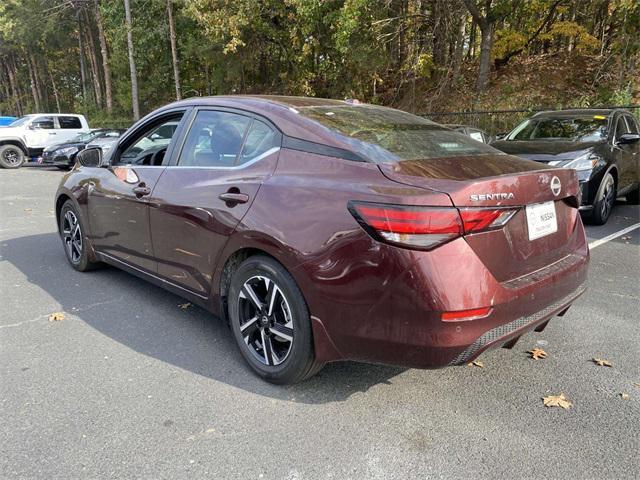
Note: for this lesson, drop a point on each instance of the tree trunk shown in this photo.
(17, 94)
(132, 62)
(108, 91)
(42, 100)
(55, 89)
(34, 91)
(174, 50)
(93, 62)
(486, 43)
(83, 70)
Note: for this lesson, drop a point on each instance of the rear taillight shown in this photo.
(424, 227)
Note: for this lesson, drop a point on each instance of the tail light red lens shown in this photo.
(424, 227)
(461, 315)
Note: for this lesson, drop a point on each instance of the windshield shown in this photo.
(20, 121)
(386, 135)
(578, 129)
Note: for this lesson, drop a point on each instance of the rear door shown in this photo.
(68, 127)
(118, 200)
(203, 195)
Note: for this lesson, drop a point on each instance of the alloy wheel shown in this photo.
(72, 235)
(12, 157)
(608, 198)
(265, 320)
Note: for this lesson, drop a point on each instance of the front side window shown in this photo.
(386, 135)
(575, 129)
(632, 124)
(45, 123)
(215, 140)
(150, 146)
(621, 127)
(70, 122)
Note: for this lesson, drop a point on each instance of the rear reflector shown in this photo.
(425, 227)
(461, 315)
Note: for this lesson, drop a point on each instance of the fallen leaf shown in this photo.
(27, 209)
(601, 362)
(624, 396)
(557, 401)
(56, 317)
(476, 363)
(537, 353)
(637, 385)
(184, 306)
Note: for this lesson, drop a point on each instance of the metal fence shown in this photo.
(499, 121)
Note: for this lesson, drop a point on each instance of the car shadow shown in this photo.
(156, 323)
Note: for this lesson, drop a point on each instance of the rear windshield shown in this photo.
(384, 135)
(577, 129)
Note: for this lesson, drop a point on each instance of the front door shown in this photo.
(625, 155)
(118, 201)
(41, 133)
(200, 200)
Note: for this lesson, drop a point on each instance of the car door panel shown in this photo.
(190, 223)
(624, 157)
(119, 217)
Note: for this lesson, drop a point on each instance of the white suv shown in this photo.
(29, 135)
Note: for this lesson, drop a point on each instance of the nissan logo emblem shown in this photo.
(555, 186)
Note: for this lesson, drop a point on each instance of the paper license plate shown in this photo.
(541, 219)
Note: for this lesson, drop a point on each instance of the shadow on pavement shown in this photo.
(148, 320)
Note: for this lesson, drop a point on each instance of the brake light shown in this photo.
(480, 219)
(424, 227)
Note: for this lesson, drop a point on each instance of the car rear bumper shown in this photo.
(400, 321)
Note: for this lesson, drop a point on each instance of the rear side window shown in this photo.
(261, 139)
(215, 140)
(70, 122)
(385, 135)
(43, 122)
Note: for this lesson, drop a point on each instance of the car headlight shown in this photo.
(68, 151)
(584, 162)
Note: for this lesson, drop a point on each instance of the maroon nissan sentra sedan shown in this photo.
(324, 230)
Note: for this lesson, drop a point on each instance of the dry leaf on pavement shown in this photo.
(56, 317)
(537, 353)
(557, 401)
(184, 306)
(476, 363)
(624, 396)
(601, 362)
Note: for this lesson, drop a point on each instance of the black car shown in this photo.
(473, 132)
(63, 155)
(602, 145)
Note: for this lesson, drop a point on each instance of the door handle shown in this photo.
(141, 190)
(234, 197)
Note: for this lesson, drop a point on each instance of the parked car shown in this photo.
(602, 145)
(4, 121)
(323, 230)
(30, 135)
(63, 155)
(473, 132)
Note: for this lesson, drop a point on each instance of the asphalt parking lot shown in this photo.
(131, 385)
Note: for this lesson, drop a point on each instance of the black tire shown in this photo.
(605, 200)
(11, 156)
(269, 354)
(74, 240)
(63, 167)
(633, 198)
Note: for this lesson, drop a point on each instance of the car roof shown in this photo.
(578, 112)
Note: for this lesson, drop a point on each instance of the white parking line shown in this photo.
(608, 238)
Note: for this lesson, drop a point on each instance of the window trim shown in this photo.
(245, 113)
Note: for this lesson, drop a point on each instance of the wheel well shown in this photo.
(17, 143)
(59, 203)
(231, 265)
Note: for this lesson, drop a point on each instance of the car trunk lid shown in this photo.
(502, 181)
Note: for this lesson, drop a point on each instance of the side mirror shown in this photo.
(627, 138)
(155, 136)
(90, 157)
(499, 136)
